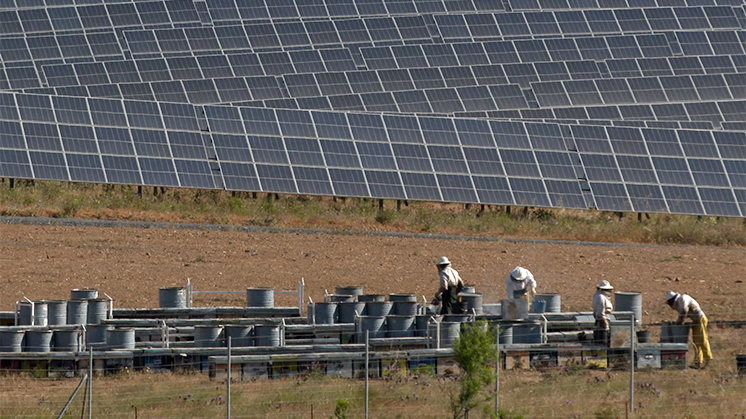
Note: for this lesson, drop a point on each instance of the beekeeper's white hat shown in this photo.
(670, 295)
(519, 274)
(443, 261)
(604, 285)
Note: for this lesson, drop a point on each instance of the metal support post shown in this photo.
(72, 396)
(90, 382)
(228, 394)
(367, 373)
(632, 364)
(497, 370)
(301, 296)
(189, 293)
(111, 306)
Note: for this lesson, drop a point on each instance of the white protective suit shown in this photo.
(528, 284)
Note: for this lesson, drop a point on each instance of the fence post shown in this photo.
(367, 373)
(228, 393)
(90, 382)
(497, 370)
(72, 396)
(632, 364)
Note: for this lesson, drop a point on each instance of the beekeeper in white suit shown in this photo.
(602, 308)
(687, 306)
(521, 280)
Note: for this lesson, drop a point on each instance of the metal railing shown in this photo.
(300, 293)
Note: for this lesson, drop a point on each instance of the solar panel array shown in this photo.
(620, 105)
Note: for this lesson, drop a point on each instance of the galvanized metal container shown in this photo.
(39, 317)
(38, 340)
(11, 339)
(375, 325)
(350, 290)
(400, 326)
(674, 333)
(95, 335)
(456, 318)
(77, 311)
(471, 301)
(267, 335)
(347, 311)
(67, 340)
(420, 325)
(120, 338)
(339, 298)
(553, 302)
(527, 332)
(469, 289)
(325, 313)
(506, 333)
(98, 310)
(379, 308)
(207, 336)
(367, 298)
(403, 297)
(514, 309)
(241, 335)
(83, 294)
(57, 312)
(449, 332)
(629, 301)
(405, 308)
(539, 306)
(260, 297)
(172, 297)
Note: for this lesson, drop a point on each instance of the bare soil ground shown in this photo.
(45, 262)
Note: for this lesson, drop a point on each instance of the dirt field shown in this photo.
(45, 262)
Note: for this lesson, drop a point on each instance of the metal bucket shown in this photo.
(674, 333)
(57, 312)
(629, 301)
(11, 339)
(340, 298)
(456, 318)
(350, 290)
(241, 335)
(553, 302)
(368, 298)
(346, 311)
(449, 332)
(506, 334)
(405, 308)
(527, 332)
(207, 336)
(95, 335)
(67, 340)
(98, 310)
(38, 340)
(173, 297)
(267, 335)
(40, 314)
(471, 301)
(539, 306)
(375, 325)
(325, 313)
(260, 297)
(469, 289)
(403, 297)
(83, 294)
(120, 339)
(400, 326)
(515, 309)
(77, 311)
(378, 308)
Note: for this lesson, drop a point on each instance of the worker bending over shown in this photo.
(521, 284)
(450, 285)
(688, 307)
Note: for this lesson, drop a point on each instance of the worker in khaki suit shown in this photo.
(521, 280)
(602, 308)
(450, 285)
(687, 306)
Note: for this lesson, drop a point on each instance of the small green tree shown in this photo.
(474, 350)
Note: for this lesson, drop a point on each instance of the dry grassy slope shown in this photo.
(43, 262)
